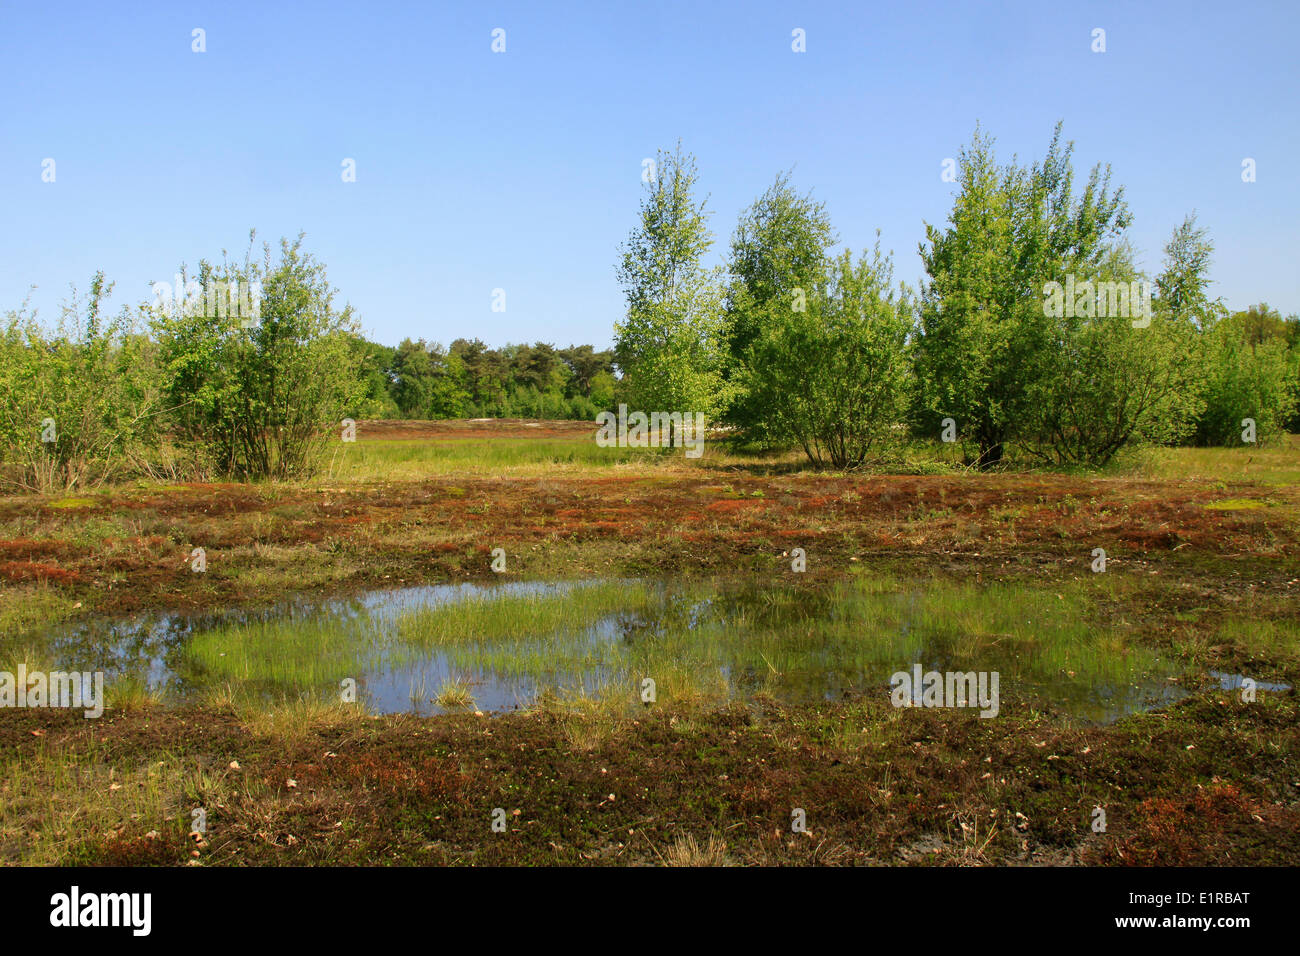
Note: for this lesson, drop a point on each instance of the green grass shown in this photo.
(1275, 639)
(387, 459)
(855, 636)
(315, 652)
(1277, 463)
(453, 694)
(488, 617)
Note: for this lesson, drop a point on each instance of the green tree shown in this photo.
(448, 397)
(664, 251)
(1183, 286)
(1112, 377)
(983, 338)
(833, 378)
(671, 345)
(778, 254)
(1261, 324)
(262, 397)
(585, 364)
(672, 352)
(375, 362)
(413, 379)
(78, 404)
(1244, 378)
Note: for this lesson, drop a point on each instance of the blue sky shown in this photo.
(521, 170)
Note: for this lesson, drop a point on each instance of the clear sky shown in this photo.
(522, 170)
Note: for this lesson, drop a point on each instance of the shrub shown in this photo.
(833, 378)
(262, 399)
(1243, 379)
(78, 404)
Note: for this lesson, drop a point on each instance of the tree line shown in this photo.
(1032, 335)
(794, 344)
(467, 379)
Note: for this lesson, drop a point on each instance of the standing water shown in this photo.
(495, 647)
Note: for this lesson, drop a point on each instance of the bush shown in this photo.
(262, 400)
(1106, 384)
(78, 405)
(1244, 379)
(833, 378)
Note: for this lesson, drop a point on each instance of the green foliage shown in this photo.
(374, 361)
(813, 354)
(798, 347)
(262, 400)
(88, 386)
(780, 244)
(833, 378)
(515, 381)
(1183, 285)
(983, 335)
(779, 254)
(1248, 373)
(1109, 380)
(665, 249)
(412, 369)
(672, 344)
(672, 352)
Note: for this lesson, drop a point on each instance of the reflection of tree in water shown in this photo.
(143, 647)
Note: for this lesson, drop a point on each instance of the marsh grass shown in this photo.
(535, 615)
(588, 720)
(1275, 639)
(455, 693)
(968, 842)
(703, 643)
(132, 692)
(506, 633)
(296, 718)
(64, 800)
(317, 650)
(1276, 463)
(685, 851)
(30, 657)
(850, 638)
(25, 610)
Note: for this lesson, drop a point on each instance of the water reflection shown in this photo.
(725, 639)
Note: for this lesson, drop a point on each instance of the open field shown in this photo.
(772, 685)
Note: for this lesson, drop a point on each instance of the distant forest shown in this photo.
(425, 380)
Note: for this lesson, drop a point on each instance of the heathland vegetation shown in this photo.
(224, 686)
